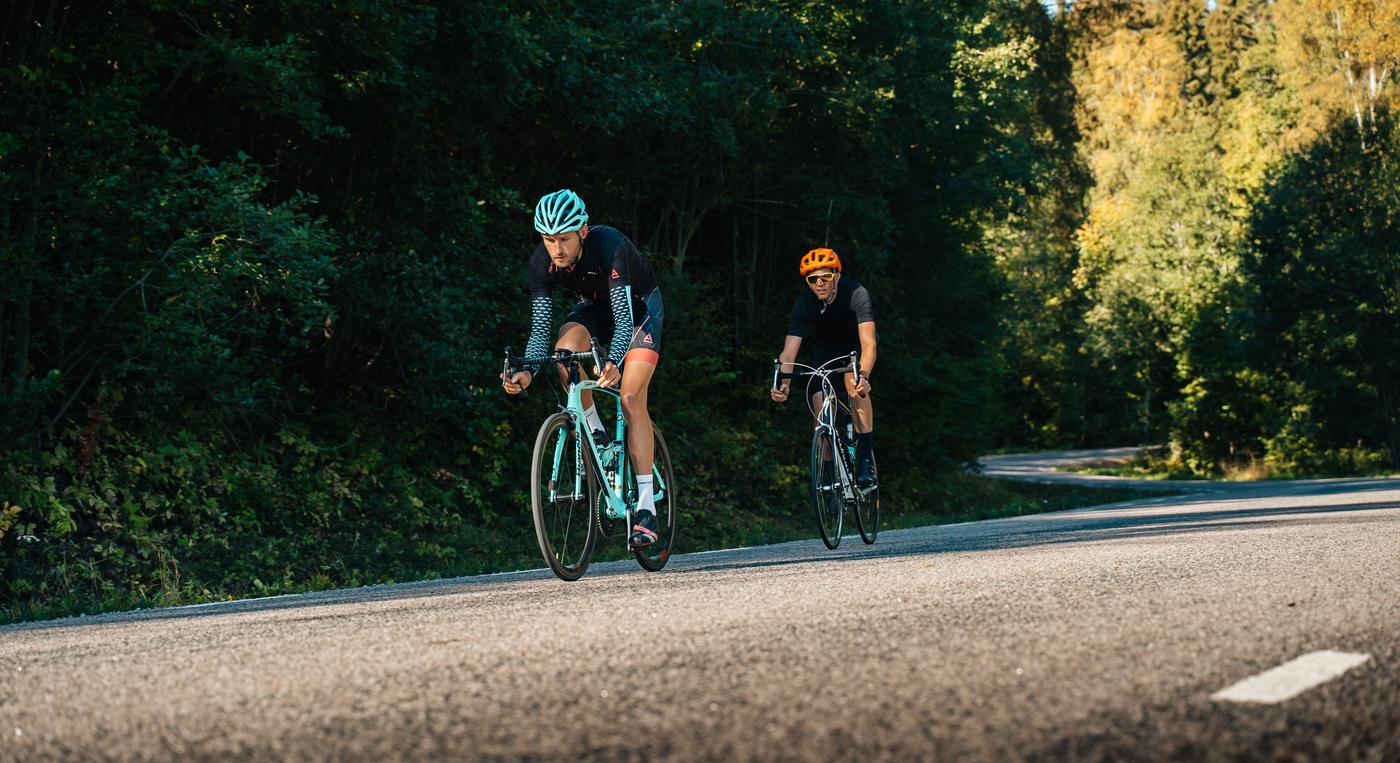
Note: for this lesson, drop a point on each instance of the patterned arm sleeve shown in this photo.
(622, 323)
(538, 343)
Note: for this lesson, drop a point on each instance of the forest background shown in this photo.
(259, 261)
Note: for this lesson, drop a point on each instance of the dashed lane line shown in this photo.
(1291, 678)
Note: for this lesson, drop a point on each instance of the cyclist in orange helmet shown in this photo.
(838, 312)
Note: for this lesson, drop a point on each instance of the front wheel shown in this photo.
(827, 499)
(563, 492)
(653, 557)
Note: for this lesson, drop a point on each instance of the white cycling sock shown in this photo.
(645, 500)
(594, 423)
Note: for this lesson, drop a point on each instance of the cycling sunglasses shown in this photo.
(820, 278)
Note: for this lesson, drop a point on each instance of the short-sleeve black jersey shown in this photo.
(833, 324)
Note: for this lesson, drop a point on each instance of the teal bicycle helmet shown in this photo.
(560, 212)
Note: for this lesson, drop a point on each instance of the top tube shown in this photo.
(590, 384)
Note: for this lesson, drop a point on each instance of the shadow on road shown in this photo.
(1143, 519)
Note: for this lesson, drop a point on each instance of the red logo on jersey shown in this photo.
(615, 275)
(648, 340)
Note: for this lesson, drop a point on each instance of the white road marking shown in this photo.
(1291, 678)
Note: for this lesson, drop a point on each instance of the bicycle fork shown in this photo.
(577, 493)
(843, 468)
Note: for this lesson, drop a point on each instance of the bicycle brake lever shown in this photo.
(598, 360)
(506, 374)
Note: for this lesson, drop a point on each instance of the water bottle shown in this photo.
(851, 440)
(612, 468)
(609, 461)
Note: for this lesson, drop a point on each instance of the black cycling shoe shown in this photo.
(865, 473)
(644, 532)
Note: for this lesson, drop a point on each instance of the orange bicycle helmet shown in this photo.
(819, 258)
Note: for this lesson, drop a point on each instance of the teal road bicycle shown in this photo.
(581, 489)
(834, 486)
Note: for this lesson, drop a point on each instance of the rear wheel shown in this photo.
(653, 557)
(866, 507)
(826, 488)
(563, 492)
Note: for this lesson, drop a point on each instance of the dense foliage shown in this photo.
(1233, 286)
(260, 261)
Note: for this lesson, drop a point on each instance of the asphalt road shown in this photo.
(1096, 634)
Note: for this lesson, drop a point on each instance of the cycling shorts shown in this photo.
(646, 333)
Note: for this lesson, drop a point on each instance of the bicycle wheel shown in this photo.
(826, 488)
(866, 507)
(563, 491)
(653, 557)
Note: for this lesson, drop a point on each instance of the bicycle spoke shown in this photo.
(827, 500)
(561, 486)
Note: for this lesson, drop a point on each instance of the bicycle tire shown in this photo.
(558, 522)
(866, 509)
(826, 488)
(654, 557)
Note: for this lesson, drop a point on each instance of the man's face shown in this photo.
(822, 282)
(564, 248)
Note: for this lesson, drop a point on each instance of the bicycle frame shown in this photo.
(617, 504)
(826, 416)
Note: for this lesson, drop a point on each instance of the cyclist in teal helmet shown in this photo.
(619, 303)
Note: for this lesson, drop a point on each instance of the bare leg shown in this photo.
(636, 378)
(862, 412)
(574, 338)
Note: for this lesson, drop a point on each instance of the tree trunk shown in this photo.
(1386, 396)
(5, 255)
(735, 280)
(24, 301)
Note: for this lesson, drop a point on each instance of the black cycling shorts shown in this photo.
(646, 334)
(822, 353)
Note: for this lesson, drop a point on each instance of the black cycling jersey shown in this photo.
(609, 259)
(610, 277)
(833, 324)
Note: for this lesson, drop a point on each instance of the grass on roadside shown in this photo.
(1161, 463)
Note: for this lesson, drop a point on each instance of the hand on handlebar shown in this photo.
(517, 382)
(610, 376)
(780, 393)
(863, 386)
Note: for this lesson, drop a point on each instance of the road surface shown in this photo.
(1145, 631)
